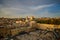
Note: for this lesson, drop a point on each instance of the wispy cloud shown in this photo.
(41, 7)
(22, 11)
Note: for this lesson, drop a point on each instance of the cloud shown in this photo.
(41, 7)
(21, 11)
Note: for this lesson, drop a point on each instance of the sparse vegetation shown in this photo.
(49, 21)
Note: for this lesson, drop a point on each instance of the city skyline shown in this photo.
(23, 8)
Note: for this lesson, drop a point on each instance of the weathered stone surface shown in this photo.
(36, 35)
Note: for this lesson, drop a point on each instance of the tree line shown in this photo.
(49, 21)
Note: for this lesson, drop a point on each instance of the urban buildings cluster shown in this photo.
(9, 26)
(13, 26)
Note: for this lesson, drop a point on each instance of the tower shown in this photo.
(27, 19)
(31, 18)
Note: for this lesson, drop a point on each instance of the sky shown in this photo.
(23, 8)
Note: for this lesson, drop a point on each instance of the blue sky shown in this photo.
(37, 8)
